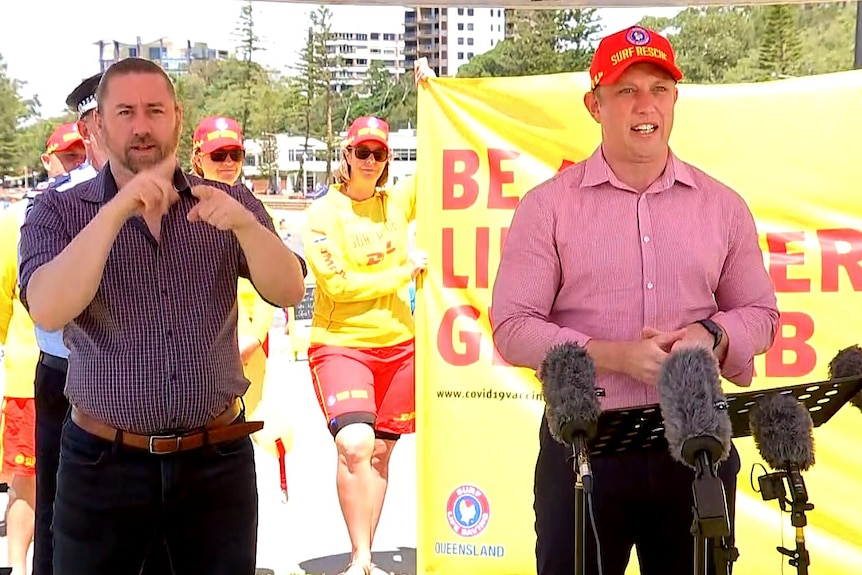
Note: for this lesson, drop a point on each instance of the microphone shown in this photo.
(694, 408)
(848, 363)
(783, 434)
(698, 430)
(568, 377)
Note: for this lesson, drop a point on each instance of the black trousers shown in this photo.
(641, 499)
(115, 505)
(51, 410)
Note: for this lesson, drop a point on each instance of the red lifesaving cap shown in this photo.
(217, 132)
(633, 45)
(62, 138)
(368, 129)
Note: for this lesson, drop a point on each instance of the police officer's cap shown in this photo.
(83, 98)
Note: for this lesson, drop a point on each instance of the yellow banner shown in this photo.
(791, 148)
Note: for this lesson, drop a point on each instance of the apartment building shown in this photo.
(172, 55)
(451, 37)
(359, 49)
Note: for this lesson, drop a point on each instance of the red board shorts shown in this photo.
(376, 386)
(19, 436)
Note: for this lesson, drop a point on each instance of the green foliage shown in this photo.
(14, 111)
(217, 87)
(249, 44)
(382, 95)
(31, 141)
(749, 44)
(781, 43)
(708, 42)
(541, 42)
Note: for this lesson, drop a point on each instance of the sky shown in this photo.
(52, 48)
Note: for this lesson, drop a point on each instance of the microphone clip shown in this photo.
(773, 486)
(581, 462)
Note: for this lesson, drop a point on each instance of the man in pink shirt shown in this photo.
(631, 253)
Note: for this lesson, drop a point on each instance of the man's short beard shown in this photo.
(165, 151)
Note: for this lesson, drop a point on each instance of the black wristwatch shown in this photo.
(714, 329)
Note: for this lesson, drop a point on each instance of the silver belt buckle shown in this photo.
(177, 442)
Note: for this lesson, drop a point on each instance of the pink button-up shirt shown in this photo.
(587, 257)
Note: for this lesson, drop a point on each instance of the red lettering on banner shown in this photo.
(480, 250)
(831, 259)
(482, 257)
(450, 278)
(780, 259)
(459, 171)
(500, 177)
(446, 335)
(804, 358)
(470, 339)
(839, 248)
(463, 178)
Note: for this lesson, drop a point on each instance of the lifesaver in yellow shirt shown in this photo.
(254, 320)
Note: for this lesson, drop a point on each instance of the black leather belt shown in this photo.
(54, 362)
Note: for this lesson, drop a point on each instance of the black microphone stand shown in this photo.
(711, 525)
(583, 486)
(799, 557)
(772, 487)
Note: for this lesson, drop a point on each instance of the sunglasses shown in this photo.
(221, 155)
(362, 153)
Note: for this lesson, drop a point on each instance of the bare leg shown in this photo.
(356, 485)
(21, 522)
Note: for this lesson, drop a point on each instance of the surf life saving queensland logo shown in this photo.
(468, 512)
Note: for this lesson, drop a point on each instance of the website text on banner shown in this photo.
(791, 148)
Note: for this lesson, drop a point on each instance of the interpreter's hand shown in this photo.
(417, 261)
(150, 192)
(247, 346)
(422, 71)
(218, 209)
(644, 358)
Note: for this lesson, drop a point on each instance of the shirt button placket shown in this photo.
(169, 343)
(648, 262)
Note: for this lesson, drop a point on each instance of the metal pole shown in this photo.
(857, 60)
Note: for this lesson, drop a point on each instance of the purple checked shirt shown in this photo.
(588, 257)
(156, 349)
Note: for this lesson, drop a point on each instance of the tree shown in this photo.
(828, 37)
(269, 159)
(321, 21)
(192, 97)
(31, 142)
(708, 42)
(315, 84)
(273, 105)
(542, 42)
(216, 87)
(249, 44)
(308, 84)
(14, 110)
(384, 95)
(723, 45)
(781, 45)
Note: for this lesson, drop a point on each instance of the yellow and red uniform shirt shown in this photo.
(357, 251)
